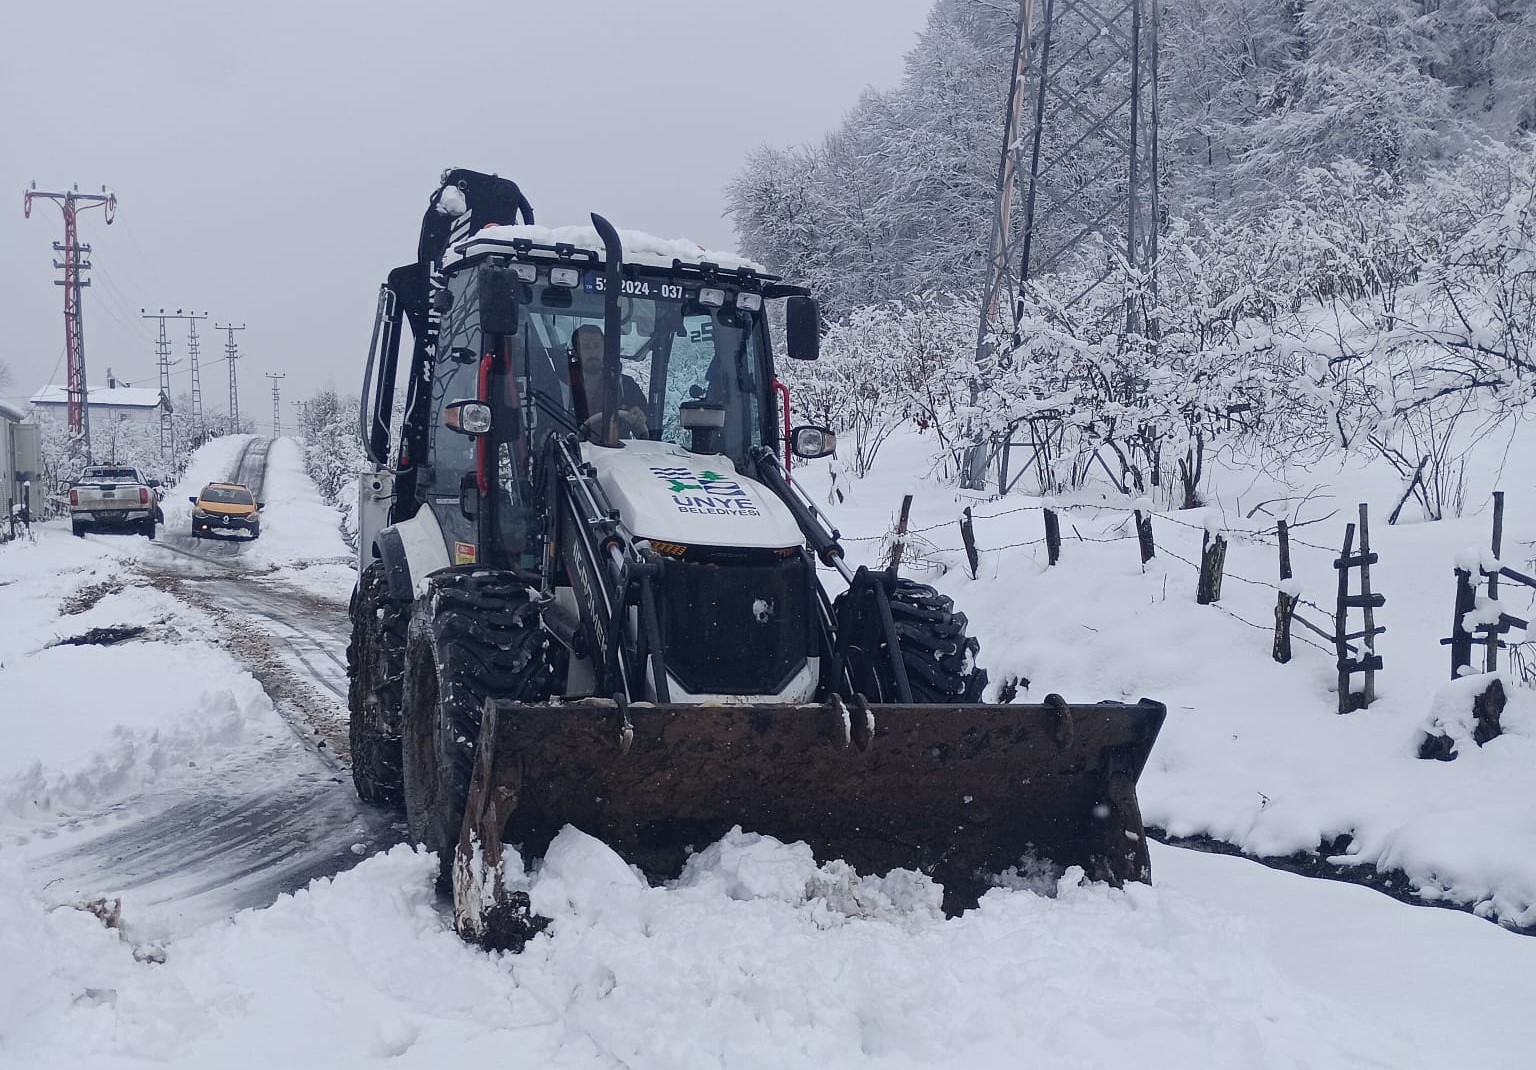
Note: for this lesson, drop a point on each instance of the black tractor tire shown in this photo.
(475, 635)
(375, 672)
(939, 657)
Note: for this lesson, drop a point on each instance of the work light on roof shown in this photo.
(565, 277)
(526, 272)
(749, 302)
(712, 297)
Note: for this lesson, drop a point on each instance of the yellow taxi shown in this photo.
(225, 508)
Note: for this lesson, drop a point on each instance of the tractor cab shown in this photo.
(528, 346)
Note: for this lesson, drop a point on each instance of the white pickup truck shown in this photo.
(109, 497)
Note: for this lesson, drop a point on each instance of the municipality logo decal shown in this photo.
(706, 493)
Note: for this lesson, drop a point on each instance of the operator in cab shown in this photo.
(587, 355)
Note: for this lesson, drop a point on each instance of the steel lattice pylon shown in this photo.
(1080, 137)
(1092, 177)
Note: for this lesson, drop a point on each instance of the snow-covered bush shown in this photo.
(333, 452)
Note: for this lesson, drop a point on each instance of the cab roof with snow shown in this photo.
(581, 246)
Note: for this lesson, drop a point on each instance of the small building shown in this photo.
(115, 401)
(20, 465)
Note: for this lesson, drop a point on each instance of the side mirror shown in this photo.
(152, 483)
(498, 300)
(192, 498)
(467, 417)
(802, 328)
(261, 505)
(811, 441)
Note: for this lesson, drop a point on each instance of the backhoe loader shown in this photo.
(592, 593)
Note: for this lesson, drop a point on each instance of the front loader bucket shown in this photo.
(957, 792)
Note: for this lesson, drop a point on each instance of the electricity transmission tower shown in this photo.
(277, 403)
(163, 360)
(232, 354)
(1093, 165)
(199, 431)
(71, 203)
(1080, 134)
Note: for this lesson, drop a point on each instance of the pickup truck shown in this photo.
(114, 498)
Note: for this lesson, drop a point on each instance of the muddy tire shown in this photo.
(474, 636)
(375, 671)
(149, 529)
(939, 657)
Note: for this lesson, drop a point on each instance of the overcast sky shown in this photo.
(272, 160)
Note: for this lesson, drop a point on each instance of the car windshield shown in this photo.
(228, 496)
(673, 349)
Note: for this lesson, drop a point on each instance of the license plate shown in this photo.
(109, 494)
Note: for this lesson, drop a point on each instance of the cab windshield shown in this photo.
(672, 349)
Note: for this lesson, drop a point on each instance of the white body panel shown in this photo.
(663, 491)
(425, 550)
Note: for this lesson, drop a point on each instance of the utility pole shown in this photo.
(277, 403)
(232, 354)
(199, 431)
(163, 355)
(71, 203)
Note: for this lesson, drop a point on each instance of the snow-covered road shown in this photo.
(233, 827)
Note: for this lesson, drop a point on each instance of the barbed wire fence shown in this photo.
(1354, 652)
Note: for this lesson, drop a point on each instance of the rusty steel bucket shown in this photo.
(957, 792)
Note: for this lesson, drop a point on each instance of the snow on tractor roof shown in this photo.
(639, 247)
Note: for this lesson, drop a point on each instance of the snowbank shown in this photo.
(714, 973)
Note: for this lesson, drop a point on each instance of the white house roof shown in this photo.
(127, 397)
(11, 412)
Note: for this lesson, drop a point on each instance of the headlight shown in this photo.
(564, 277)
(750, 302)
(712, 297)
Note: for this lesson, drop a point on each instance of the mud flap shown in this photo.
(960, 793)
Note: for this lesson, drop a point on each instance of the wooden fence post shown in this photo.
(1144, 537)
(1052, 536)
(899, 546)
(1213, 557)
(1491, 658)
(1369, 662)
(968, 537)
(1368, 604)
(1285, 606)
(1460, 641)
(1341, 620)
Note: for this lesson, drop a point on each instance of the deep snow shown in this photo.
(760, 956)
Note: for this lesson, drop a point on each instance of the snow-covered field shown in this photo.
(761, 956)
